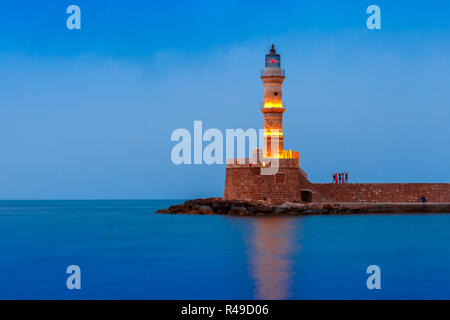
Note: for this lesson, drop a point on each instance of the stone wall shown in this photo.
(381, 192)
(244, 182)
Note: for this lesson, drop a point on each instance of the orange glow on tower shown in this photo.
(273, 109)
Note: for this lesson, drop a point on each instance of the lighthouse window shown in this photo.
(275, 93)
(272, 61)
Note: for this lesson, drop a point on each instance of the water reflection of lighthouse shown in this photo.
(272, 248)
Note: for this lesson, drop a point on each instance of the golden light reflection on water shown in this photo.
(271, 254)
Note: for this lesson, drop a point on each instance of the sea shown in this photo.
(125, 250)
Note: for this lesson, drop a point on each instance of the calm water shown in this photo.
(126, 251)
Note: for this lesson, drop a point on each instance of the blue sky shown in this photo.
(88, 114)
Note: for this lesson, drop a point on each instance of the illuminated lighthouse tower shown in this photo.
(273, 109)
(272, 174)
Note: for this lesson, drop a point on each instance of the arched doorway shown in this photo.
(306, 195)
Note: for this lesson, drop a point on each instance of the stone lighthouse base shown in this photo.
(246, 180)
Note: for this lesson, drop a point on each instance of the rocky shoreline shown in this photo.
(261, 208)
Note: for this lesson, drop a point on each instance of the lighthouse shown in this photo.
(250, 180)
(271, 174)
(273, 108)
